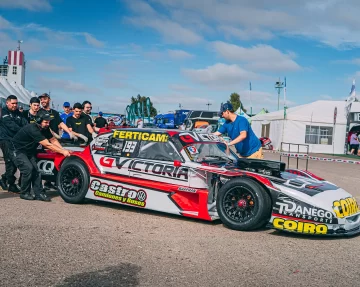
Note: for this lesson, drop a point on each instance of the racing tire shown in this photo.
(73, 181)
(243, 204)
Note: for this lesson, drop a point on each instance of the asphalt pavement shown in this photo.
(97, 244)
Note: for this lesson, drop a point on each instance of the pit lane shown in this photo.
(59, 244)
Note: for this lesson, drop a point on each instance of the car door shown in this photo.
(155, 161)
(109, 155)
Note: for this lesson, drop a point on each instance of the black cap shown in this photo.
(45, 117)
(34, 100)
(44, 95)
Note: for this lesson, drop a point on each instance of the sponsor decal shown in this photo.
(298, 226)
(119, 193)
(346, 207)
(187, 189)
(155, 169)
(46, 167)
(129, 147)
(194, 137)
(192, 150)
(287, 206)
(107, 161)
(144, 136)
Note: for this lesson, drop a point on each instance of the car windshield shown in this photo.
(202, 152)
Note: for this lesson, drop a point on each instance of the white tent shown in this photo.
(311, 124)
(13, 88)
(240, 112)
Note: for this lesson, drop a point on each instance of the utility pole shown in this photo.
(279, 85)
(208, 104)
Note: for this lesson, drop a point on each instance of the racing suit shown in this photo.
(10, 124)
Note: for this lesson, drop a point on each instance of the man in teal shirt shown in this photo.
(239, 130)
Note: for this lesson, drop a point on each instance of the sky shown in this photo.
(185, 52)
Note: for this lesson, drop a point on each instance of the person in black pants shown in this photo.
(11, 122)
(23, 151)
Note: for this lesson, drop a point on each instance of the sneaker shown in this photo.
(26, 196)
(48, 185)
(13, 188)
(43, 197)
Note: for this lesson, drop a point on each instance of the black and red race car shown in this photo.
(196, 175)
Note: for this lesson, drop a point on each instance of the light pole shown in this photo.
(208, 104)
(279, 85)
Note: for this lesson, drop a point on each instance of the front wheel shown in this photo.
(243, 204)
(73, 181)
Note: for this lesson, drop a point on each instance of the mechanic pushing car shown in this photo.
(10, 123)
(242, 136)
(23, 151)
(80, 124)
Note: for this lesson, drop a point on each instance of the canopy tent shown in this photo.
(311, 124)
(7, 88)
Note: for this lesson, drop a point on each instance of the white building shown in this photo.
(12, 78)
(311, 124)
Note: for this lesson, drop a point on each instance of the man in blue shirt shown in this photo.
(67, 113)
(239, 130)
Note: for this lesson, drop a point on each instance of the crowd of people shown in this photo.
(22, 132)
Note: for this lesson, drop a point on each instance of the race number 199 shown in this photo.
(129, 147)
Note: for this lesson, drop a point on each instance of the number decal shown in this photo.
(129, 147)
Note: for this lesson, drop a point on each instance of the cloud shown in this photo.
(92, 41)
(260, 57)
(48, 67)
(355, 61)
(171, 31)
(332, 22)
(4, 24)
(179, 88)
(66, 85)
(219, 75)
(245, 34)
(187, 101)
(179, 54)
(31, 5)
(325, 97)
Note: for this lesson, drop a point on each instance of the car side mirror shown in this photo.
(177, 163)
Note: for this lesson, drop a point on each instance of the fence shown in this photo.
(297, 156)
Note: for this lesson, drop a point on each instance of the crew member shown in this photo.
(87, 108)
(242, 136)
(56, 121)
(100, 122)
(79, 124)
(23, 151)
(55, 124)
(67, 113)
(30, 115)
(140, 123)
(10, 123)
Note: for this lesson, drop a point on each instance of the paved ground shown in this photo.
(58, 244)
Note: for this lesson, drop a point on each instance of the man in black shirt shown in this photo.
(79, 124)
(23, 150)
(10, 123)
(100, 122)
(55, 123)
(31, 114)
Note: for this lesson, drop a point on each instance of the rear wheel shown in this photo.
(73, 181)
(243, 204)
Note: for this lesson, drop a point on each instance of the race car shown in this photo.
(197, 175)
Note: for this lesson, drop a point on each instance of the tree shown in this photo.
(236, 103)
(141, 99)
(266, 111)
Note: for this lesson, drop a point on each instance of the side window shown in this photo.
(115, 146)
(163, 151)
